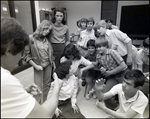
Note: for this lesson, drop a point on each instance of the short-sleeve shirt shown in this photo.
(138, 102)
(111, 60)
(84, 37)
(58, 34)
(119, 38)
(15, 101)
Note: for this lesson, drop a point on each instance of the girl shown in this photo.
(72, 53)
(39, 54)
(60, 33)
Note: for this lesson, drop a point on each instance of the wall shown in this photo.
(127, 3)
(75, 10)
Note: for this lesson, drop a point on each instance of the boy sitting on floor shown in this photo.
(132, 101)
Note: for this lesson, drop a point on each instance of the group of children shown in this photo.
(100, 50)
(111, 67)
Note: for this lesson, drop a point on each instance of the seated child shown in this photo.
(92, 74)
(111, 66)
(132, 102)
(72, 53)
(67, 107)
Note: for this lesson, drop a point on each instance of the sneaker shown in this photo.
(94, 96)
(83, 83)
(88, 96)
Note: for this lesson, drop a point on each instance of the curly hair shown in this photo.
(59, 9)
(71, 49)
(13, 36)
(63, 69)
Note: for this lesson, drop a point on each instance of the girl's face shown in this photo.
(59, 17)
(91, 49)
(83, 24)
(46, 30)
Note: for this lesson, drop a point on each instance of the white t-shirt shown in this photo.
(15, 101)
(138, 102)
(84, 37)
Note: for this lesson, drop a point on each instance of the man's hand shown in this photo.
(33, 89)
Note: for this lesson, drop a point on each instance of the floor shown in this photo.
(87, 107)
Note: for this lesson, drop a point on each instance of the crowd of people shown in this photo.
(113, 70)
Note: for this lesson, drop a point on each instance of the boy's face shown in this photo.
(101, 31)
(91, 49)
(128, 87)
(90, 25)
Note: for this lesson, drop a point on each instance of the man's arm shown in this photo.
(48, 108)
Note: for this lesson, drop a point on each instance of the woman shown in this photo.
(60, 33)
(39, 54)
(67, 107)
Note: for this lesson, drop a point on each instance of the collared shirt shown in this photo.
(120, 39)
(138, 102)
(84, 37)
(111, 60)
(42, 46)
(68, 90)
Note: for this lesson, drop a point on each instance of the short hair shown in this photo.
(101, 23)
(135, 75)
(59, 9)
(83, 20)
(146, 43)
(103, 43)
(13, 35)
(71, 49)
(63, 69)
(91, 42)
(91, 20)
(109, 20)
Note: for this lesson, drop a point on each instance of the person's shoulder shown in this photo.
(142, 97)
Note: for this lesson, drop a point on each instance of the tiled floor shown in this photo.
(87, 107)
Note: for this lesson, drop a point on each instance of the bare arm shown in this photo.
(48, 108)
(129, 114)
(129, 52)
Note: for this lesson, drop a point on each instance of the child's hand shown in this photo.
(57, 112)
(99, 84)
(75, 108)
(38, 67)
